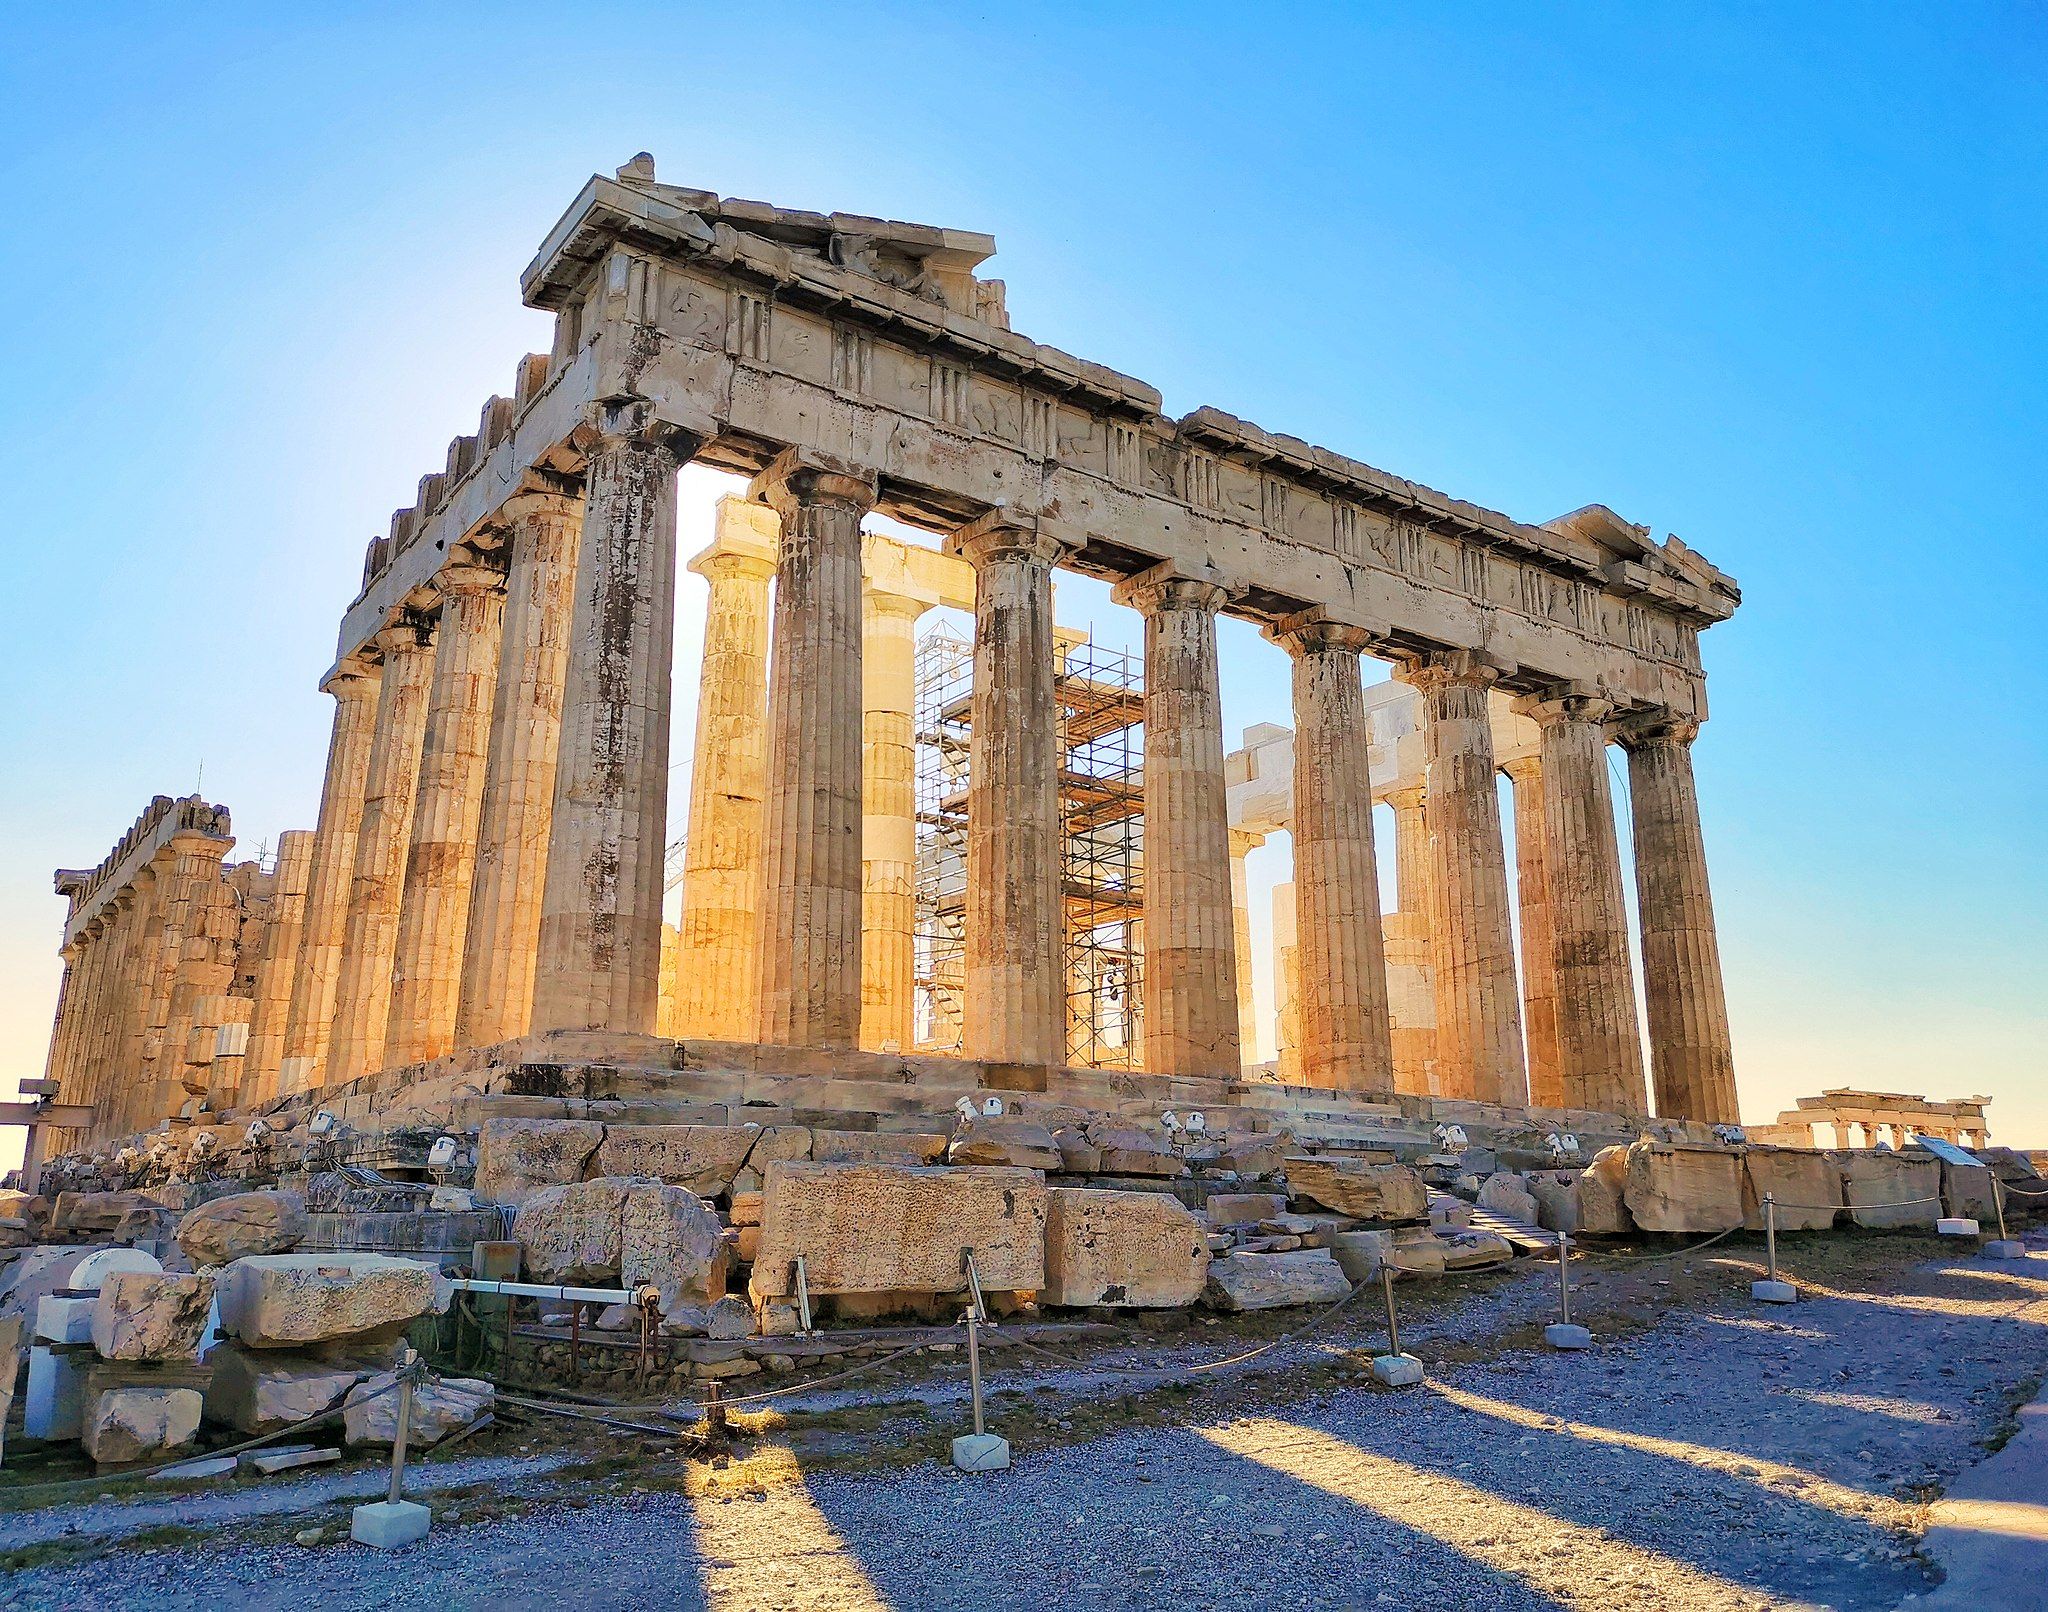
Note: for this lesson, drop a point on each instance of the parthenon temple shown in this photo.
(912, 873)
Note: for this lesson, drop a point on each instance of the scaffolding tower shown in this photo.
(1101, 698)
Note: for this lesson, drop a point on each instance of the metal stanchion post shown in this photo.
(2004, 1246)
(981, 1450)
(1772, 1289)
(1564, 1333)
(803, 1298)
(1394, 1369)
(395, 1521)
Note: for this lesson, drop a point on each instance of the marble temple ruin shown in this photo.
(483, 889)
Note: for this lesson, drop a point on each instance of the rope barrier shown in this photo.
(1647, 1259)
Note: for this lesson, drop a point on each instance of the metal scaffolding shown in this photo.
(1100, 693)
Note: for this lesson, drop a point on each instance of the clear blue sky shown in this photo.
(1769, 277)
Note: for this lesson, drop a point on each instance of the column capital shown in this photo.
(460, 578)
(198, 842)
(1311, 632)
(354, 679)
(1405, 800)
(1002, 534)
(408, 631)
(613, 423)
(533, 500)
(802, 478)
(1646, 730)
(883, 602)
(1243, 841)
(718, 564)
(1564, 702)
(1170, 585)
(1453, 668)
(1523, 769)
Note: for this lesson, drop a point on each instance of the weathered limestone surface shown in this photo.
(670, 1240)
(151, 1316)
(225, 1229)
(518, 1157)
(262, 1390)
(1341, 959)
(599, 960)
(574, 1233)
(282, 1301)
(1505, 1194)
(1798, 1181)
(1006, 1140)
(439, 1409)
(1411, 987)
(1275, 1281)
(516, 814)
(127, 1425)
(1683, 1189)
(277, 970)
(1190, 1023)
(874, 1147)
(1478, 1045)
(1134, 1250)
(1888, 1189)
(1532, 905)
(1350, 1187)
(1243, 1208)
(440, 866)
(703, 1158)
(1123, 1148)
(810, 945)
(888, 880)
(1602, 1194)
(875, 1228)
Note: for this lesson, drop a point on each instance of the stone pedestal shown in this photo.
(309, 1022)
(441, 862)
(810, 952)
(1691, 1055)
(1190, 1025)
(1599, 1043)
(1341, 956)
(888, 819)
(362, 999)
(1478, 1014)
(1015, 985)
(599, 960)
(502, 938)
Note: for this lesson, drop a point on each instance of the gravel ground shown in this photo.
(1731, 1455)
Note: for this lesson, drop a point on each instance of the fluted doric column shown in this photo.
(199, 952)
(282, 942)
(118, 1042)
(1190, 948)
(440, 863)
(1340, 949)
(1411, 999)
(888, 837)
(309, 1021)
(1599, 1042)
(1243, 842)
(599, 959)
(1539, 963)
(502, 937)
(810, 962)
(1015, 981)
(362, 997)
(1691, 1053)
(1472, 946)
(718, 977)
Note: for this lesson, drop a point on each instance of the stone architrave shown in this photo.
(1340, 948)
(433, 917)
(599, 959)
(309, 1022)
(502, 938)
(888, 819)
(1539, 965)
(716, 995)
(1478, 1012)
(810, 951)
(1190, 1020)
(1691, 1054)
(1015, 978)
(1599, 1042)
(283, 942)
(362, 998)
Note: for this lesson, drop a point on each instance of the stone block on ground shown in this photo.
(1243, 1208)
(281, 1301)
(1602, 1195)
(1471, 1249)
(1359, 1254)
(116, 1216)
(1557, 1199)
(439, 1408)
(125, 1425)
(1966, 1190)
(1243, 1153)
(262, 1390)
(571, 1233)
(875, 1147)
(1078, 1155)
(1388, 1192)
(515, 1158)
(1795, 1178)
(726, 1318)
(703, 1158)
(225, 1229)
(864, 1228)
(141, 1316)
(1275, 1281)
(1129, 1149)
(779, 1142)
(1004, 1139)
(1889, 1190)
(1673, 1189)
(1136, 1250)
(671, 1240)
(1505, 1193)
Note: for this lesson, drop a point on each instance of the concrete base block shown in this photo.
(981, 1452)
(1567, 1335)
(1397, 1371)
(390, 1524)
(1766, 1291)
(2005, 1248)
(1956, 1226)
